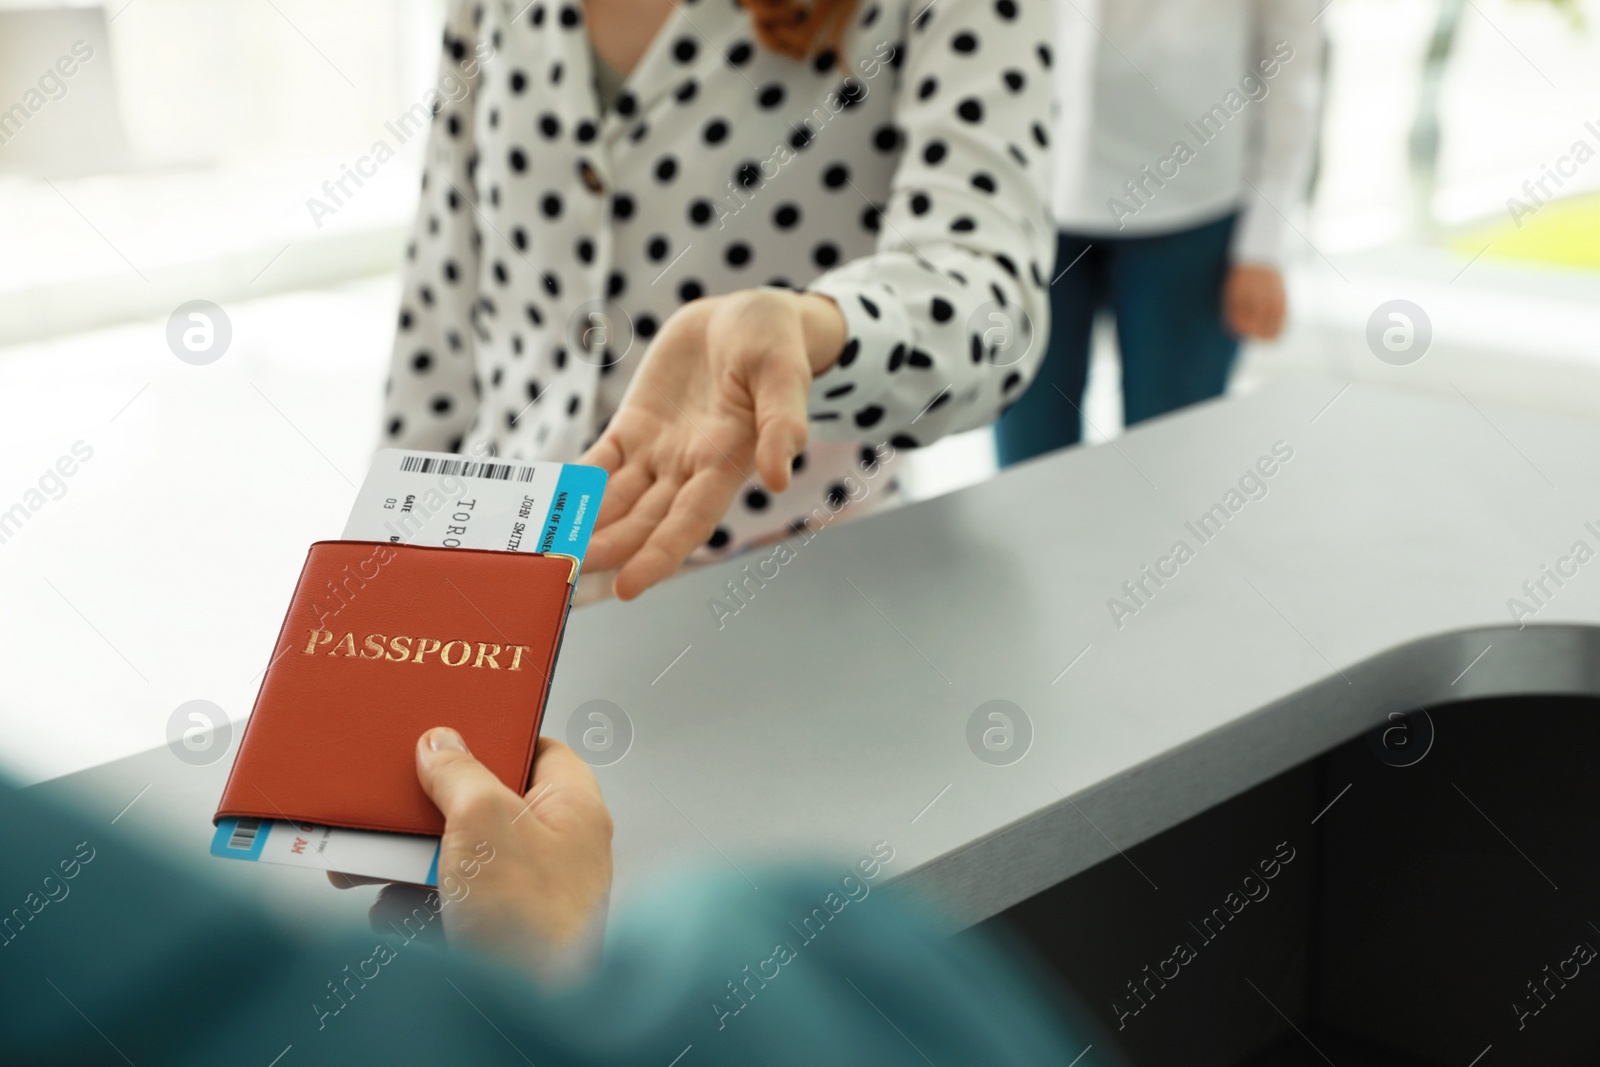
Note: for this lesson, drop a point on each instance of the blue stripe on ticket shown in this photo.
(240, 839)
(573, 511)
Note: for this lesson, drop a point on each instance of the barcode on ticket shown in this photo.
(244, 834)
(466, 468)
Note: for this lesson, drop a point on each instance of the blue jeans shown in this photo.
(1165, 293)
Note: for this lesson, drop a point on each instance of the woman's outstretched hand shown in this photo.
(720, 398)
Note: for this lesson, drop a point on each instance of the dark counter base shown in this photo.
(1406, 930)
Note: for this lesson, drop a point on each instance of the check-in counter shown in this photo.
(1016, 682)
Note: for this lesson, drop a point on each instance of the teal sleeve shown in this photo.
(111, 954)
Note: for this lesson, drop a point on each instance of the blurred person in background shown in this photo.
(732, 252)
(115, 955)
(1185, 138)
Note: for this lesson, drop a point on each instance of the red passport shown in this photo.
(382, 642)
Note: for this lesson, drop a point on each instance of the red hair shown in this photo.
(797, 28)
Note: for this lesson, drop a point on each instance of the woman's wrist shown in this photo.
(824, 328)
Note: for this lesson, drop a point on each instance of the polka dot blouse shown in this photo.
(906, 177)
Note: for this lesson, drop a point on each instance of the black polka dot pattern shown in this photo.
(905, 178)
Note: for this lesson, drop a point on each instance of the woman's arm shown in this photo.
(948, 321)
(935, 332)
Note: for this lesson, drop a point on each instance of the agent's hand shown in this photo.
(721, 396)
(1253, 301)
(528, 877)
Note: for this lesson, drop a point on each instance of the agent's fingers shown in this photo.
(616, 544)
(780, 389)
(628, 478)
(623, 491)
(689, 524)
(605, 453)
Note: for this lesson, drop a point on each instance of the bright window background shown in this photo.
(176, 165)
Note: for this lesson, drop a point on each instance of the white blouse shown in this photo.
(909, 182)
(1239, 88)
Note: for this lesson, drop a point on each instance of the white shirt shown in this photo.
(1234, 81)
(553, 240)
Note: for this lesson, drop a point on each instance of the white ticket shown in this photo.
(432, 498)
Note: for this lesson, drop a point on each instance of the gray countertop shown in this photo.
(834, 709)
